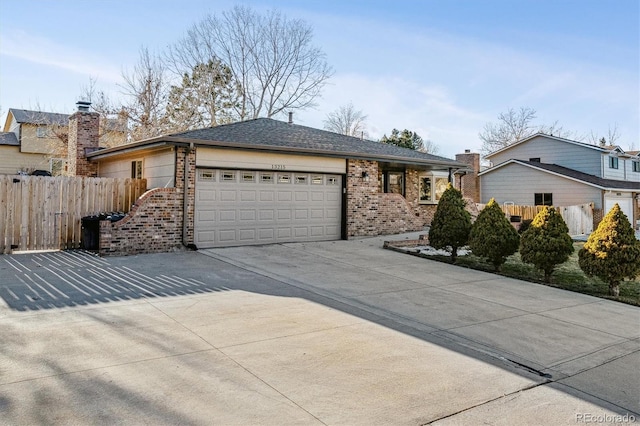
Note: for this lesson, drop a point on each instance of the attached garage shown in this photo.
(625, 202)
(248, 207)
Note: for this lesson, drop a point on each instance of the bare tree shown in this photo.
(514, 126)
(272, 58)
(610, 139)
(346, 120)
(113, 118)
(146, 88)
(430, 147)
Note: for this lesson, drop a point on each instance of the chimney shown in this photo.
(290, 117)
(470, 182)
(83, 139)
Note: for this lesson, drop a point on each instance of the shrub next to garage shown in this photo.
(451, 223)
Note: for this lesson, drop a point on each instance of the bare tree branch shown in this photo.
(272, 58)
(347, 121)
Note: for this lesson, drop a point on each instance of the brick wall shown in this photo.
(470, 183)
(189, 154)
(154, 225)
(84, 132)
(371, 213)
(424, 212)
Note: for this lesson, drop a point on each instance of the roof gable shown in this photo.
(555, 138)
(571, 174)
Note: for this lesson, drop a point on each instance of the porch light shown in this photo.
(365, 176)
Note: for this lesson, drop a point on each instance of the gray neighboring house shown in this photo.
(549, 170)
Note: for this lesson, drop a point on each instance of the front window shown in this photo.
(136, 169)
(432, 186)
(543, 199)
(395, 183)
(613, 162)
(636, 166)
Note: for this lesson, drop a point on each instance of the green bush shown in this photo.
(547, 242)
(492, 236)
(451, 223)
(524, 226)
(612, 252)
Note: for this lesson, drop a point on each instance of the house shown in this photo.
(29, 141)
(36, 140)
(549, 170)
(261, 181)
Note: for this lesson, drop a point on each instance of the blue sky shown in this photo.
(442, 68)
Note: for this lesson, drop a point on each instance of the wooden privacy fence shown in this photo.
(579, 218)
(44, 213)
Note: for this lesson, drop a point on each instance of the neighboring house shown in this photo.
(548, 170)
(33, 143)
(267, 181)
(36, 140)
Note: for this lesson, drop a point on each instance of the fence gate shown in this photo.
(579, 219)
(44, 213)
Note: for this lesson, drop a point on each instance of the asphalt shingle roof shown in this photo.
(9, 138)
(39, 117)
(595, 180)
(267, 132)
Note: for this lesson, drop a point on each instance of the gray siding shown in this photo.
(581, 158)
(518, 184)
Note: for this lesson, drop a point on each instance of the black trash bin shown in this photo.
(516, 219)
(90, 232)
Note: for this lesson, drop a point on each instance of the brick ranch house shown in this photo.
(262, 181)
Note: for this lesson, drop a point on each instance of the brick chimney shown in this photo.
(470, 183)
(83, 139)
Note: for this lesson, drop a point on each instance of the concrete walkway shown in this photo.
(325, 333)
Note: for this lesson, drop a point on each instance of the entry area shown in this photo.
(250, 207)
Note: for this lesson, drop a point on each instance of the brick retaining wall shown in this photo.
(154, 225)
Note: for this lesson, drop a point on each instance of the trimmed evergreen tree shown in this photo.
(547, 242)
(451, 223)
(612, 252)
(492, 236)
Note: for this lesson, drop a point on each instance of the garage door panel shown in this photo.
(207, 195)
(287, 207)
(248, 196)
(284, 233)
(247, 234)
(227, 195)
(247, 215)
(266, 214)
(266, 234)
(284, 214)
(267, 196)
(300, 231)
(227, 235)
(301, 196)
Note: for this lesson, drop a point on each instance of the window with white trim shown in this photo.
(613, 162)
(432, 186)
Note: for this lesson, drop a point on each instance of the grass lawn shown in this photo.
(567, 276)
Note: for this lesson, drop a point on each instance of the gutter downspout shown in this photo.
(185, 199)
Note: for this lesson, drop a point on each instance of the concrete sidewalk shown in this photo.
(324, 333)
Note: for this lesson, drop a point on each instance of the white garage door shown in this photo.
(247, 207)
(626, 205)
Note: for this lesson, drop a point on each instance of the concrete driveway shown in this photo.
(325, 333)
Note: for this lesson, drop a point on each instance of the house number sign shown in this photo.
(278, 167)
